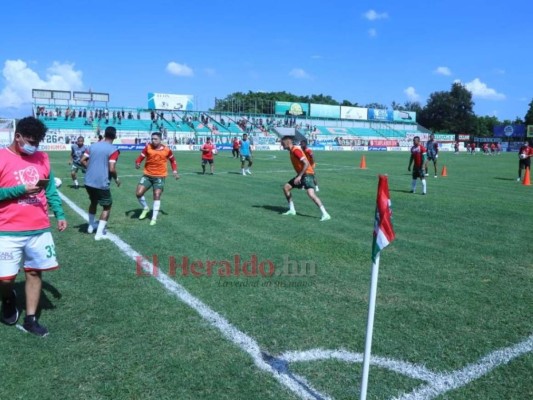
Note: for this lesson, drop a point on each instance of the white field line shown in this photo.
(298, 385)
(462, 377)
(405, 368)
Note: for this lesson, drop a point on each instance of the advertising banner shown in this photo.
(325, 111)
(514, 131)
(354, 113)
(176, 102)
(291, 108)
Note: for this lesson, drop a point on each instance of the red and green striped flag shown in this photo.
(383, 231)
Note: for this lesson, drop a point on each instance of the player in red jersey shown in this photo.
(524, 158)
(236, 145)
(311, 157)
(208, 150)
(418, 157)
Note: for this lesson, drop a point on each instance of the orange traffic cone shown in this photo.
(444, 171)
(362, 165)
(526, 181)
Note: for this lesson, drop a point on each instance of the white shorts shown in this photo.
(34, 253)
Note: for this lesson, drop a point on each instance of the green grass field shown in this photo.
(454, 287)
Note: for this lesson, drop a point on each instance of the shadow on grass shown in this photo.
(401, 191)
(135, 213)
(504, 179)
(44, 303)
(281, 210)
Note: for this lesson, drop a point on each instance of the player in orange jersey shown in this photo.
(311, 157)
(155, 156)
(304, 177)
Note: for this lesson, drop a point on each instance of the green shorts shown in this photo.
(307, 182)
(152, 181)
(76, 166)
(246, 158)
(100, 196)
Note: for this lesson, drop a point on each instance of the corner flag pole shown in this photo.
(370, 326)
(383, 236)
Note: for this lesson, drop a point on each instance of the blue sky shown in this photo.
(362, 51)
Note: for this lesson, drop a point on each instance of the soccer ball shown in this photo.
(215, 151)
(58, 182)
(523, 156)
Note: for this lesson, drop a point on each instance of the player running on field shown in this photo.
(311, 157)
(304, 178)
(155, 156)
(418, 157)
(76, 153)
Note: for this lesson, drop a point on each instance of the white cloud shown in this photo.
(299, 73)
(411, 94)
(20, 80)
(174, 68)
(499, 71)
(482, 91)
(372, 32)
(443, 71)
(372, 15)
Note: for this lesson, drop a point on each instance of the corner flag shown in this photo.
(383, 232)
(383, 236)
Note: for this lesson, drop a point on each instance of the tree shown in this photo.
(449, 111)
(528, 119)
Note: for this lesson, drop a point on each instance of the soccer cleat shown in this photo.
(153, 222)
(243, 173)
(100, 237)
(91, 228)
(435, 176)
(518, 179)
(317, 189)
(290, 212)
(144, 213)
(325, 217)
(10, 312)
(424, 193)
(249, 172)
(426, 174)
(32, 326)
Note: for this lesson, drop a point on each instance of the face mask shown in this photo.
(28, 148)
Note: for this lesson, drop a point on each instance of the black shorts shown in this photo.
(100, 196)
(205, 161)
(418, 173)
(525, 163)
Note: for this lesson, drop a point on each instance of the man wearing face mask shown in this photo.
(27, 189)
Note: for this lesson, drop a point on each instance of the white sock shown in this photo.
(142, 202)
(91, 219)
(413, 185)
(291, 206)
(155, 211)
(76, 182)
(323, 210)
(423, 186)
(101, 227)
(242, 170)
